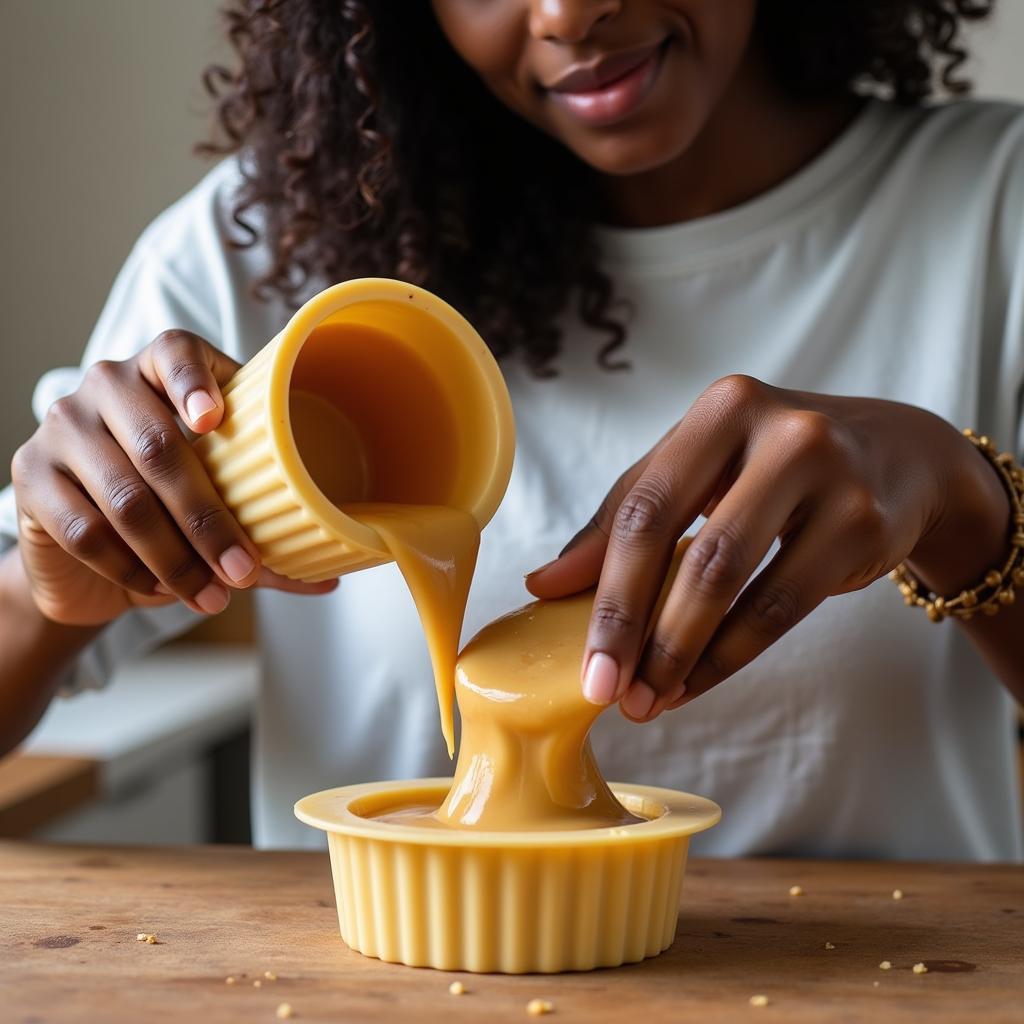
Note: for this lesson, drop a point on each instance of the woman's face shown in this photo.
(627, 85)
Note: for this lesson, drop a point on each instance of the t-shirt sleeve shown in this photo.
(173, 278)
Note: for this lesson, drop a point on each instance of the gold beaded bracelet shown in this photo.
(997, 587)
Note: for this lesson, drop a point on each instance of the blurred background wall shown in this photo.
(100, 103)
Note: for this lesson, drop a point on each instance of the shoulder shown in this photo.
(959, 168)
(975, 143)
(184, 271)
(196, 232)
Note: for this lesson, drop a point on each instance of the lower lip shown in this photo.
(618, 99)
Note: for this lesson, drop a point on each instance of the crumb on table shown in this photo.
(147, 937)
(886, 965)
(830, 945)
(897, 894)
(796, 890)
(759, 1000)
(537, 1007)
(270, 975)
(285, 1011)
(456, 988)
(229, 980)
(919, 969)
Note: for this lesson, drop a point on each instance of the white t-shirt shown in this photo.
(892, 266)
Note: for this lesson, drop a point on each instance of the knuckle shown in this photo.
(643, 513)
(130, 574)
(184, 372)
(131, 503)
(101, 372)
(667, 656)
(82, 536)
(735, 390)
(865, 519)
(809, 433)
(610, 618)
(158, 446)
(63, 412)
(714, 562)
(20, 463)
(171, 340)
(717, 664)
(182, 571)
(203, 522)
(775, 609)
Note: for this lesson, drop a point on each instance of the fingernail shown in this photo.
(213, 598)
(601, 679)
(639, 700)
(159, 588)
(540, 568)
(198, 404)
(237, 563)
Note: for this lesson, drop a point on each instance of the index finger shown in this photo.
(681, 480)
(189, 371)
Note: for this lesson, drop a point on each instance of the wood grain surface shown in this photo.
(69, 917)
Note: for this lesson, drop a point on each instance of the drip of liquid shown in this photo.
(435, 548)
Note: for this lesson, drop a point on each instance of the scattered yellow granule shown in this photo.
(229, 980)
(270, 975)
(285, 1011)
(795, 890)
(829, 945)
(758, 1000)
(886, 965)
(897, 894)
(919, 969)
(456, 988)
(146, 937)
(257, 983)
(538, 1007)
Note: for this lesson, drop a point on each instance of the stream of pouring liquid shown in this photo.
(435, 548)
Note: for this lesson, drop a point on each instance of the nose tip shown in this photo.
(569, 21)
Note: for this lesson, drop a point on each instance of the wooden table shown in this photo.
(69, 917)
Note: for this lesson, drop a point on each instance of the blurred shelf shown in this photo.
(157, 718)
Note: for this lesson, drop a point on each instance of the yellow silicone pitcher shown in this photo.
(375, 391)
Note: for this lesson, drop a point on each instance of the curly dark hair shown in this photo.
(370, 149)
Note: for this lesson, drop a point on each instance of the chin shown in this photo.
(628, 154)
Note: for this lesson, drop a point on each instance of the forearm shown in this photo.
(33, 653)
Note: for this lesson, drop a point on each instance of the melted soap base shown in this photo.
(525, 759)
(435, 548)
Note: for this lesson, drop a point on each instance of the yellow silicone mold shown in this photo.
(254, 461)
(505, 902)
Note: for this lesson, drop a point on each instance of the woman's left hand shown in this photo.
(850, 486)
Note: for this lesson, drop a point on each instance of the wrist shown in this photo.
(971, 535)
(23, 618)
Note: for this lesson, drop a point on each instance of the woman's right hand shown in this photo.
(115, 510)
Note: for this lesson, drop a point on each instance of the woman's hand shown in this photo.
(116, 510)
(850, 486)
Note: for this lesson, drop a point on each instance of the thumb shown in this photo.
(577, 568)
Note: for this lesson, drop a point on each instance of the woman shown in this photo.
(657, 212)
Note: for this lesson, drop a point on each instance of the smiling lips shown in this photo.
(611, 88)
